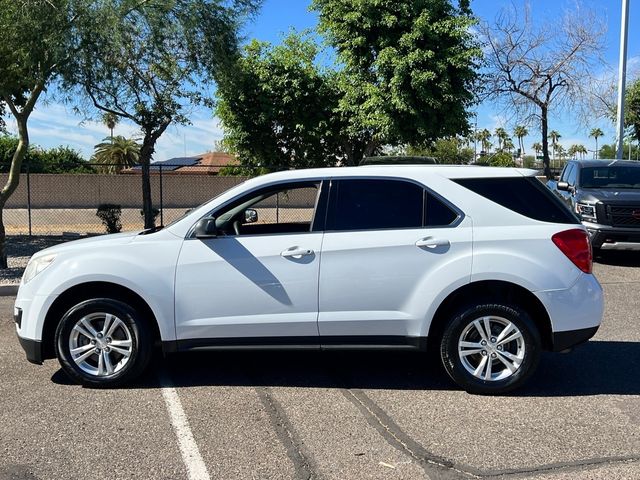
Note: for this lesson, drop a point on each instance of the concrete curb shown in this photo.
(8, 290)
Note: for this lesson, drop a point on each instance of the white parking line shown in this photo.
(196, 468)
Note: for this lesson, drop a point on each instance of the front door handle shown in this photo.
(296, 252)
(432, 242)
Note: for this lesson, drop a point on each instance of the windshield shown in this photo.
(610, 177)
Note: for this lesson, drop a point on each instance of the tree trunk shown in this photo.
(151, 136)
(544, 118)
(146, 152)
(12, 181)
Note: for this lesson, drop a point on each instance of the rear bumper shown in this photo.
(575, 312)
(33, 349)
(571, 338)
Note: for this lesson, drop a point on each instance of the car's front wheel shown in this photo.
(103, 342)
(490, 348)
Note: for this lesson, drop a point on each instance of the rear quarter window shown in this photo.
(524, 195)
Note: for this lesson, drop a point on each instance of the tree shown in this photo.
(596, 133)
(535, 67)
(507, 144)
(537, 147)
(150, 61)
(554, 136)
(576, 150)
(632, 111)
(520, 132)
(409, 67)
(278, 110)
(39, 160)
(446, 150)
(483, 136)
(39, 40)
(110, 120)
(501, 135)
(3, 125)
(116, 154)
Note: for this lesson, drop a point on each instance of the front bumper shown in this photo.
(612, 238)
(33, 349)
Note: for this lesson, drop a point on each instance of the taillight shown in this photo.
(576, 246)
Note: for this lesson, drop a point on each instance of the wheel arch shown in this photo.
(84, 291)
(491, 291)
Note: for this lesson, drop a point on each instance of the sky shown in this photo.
(53, 124)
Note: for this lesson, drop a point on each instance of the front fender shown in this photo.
(149, 272)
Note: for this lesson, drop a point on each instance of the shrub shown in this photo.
(110, 216)
(502, 159)
(154, 211)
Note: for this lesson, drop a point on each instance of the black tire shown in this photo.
(462, 323)
(133, 324)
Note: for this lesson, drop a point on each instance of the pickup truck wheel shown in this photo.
(490, 348)
(103, 342)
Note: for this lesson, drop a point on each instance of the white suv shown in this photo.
(482, 264)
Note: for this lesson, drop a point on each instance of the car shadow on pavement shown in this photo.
(595, 368)
(619, 259)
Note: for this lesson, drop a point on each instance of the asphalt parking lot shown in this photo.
(333, 416)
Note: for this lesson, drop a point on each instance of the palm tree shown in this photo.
(537, 147)
(596, 133)
(578, 149)
(110, 120)
(115, 155)
(502, 135)
(520, 132)
(554, 136)
(483, 137)
(507, 144)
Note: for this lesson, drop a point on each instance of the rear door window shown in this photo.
(371, 204)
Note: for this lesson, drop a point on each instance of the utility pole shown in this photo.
(622, 72)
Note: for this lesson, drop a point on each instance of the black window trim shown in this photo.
(321, 202)
(426, 190)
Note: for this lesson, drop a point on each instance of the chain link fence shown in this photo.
(67, 203)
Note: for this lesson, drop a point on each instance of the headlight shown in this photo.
(586, 211)
(35, 266)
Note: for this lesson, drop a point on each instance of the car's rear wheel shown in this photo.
(490, 348)
(103, 342)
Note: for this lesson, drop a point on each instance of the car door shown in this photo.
(390, 247)
(255, 282)
(567, 174)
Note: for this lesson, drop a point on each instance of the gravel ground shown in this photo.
(19, 250)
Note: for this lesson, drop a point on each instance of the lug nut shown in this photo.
(493, 339)
(93, 342)
(484, 353)
(483, 342)
(493, 355)
(99, 335)
(500, 347)
(97, 350)
(107, 349)
(108, 339)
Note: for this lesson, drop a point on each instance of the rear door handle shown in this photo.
(296, 252)
(432, 242)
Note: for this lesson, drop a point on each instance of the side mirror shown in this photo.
(250, 215)
(206, 228)
(562, 186)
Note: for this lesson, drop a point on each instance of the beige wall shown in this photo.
(89, 191)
